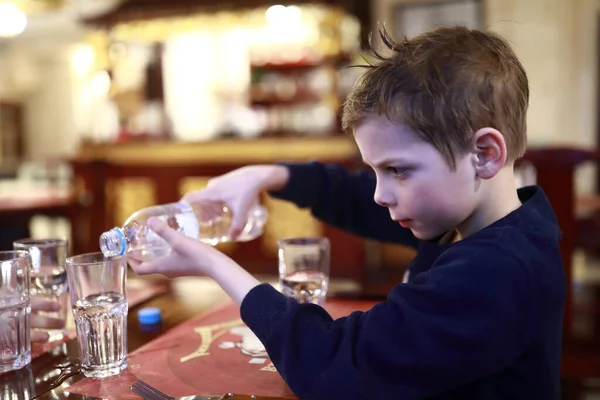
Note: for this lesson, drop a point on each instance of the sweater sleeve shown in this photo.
(342, 199)
(465, 319)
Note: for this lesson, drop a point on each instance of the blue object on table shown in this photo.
(149, 315)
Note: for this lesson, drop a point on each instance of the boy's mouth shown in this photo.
(405, 223)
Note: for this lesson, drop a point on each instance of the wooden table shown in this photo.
(42, 379)
(186, 299)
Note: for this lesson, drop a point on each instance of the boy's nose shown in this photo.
(383, 197)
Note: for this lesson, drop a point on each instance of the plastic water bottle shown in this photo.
(208, 222)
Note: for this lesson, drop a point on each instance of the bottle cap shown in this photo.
(122, 240)
(149, 315)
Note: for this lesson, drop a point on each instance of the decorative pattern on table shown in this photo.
(248, 344)
(213, 353)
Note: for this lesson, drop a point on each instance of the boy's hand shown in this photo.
(239, 189)
(188, 256)
(42, 322)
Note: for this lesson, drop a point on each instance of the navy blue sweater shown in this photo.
(479, 319)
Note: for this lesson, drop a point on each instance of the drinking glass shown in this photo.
(15, 346)
(99, 305)
(48, 276)
(304, 268)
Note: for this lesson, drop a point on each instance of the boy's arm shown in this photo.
(460, 322)
(342, 199)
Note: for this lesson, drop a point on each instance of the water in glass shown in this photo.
(101, 322)
(14, 332)
(305, 286)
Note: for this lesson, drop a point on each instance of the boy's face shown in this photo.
(414, 181)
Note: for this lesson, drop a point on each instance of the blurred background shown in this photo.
(107, 106)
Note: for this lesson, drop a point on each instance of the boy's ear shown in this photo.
(490, 151)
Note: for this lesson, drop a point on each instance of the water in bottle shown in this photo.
(209, 222)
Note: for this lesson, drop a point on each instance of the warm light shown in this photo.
(82, 60)
(100, 84)
(275, 13)
(281, 15)
(293, 14)
(12, 20)
(285, 25)
(285, 29)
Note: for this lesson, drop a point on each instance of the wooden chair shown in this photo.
(555, 173)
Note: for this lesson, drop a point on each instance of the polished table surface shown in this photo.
(51, 373)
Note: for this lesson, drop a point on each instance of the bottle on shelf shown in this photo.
(208, 222)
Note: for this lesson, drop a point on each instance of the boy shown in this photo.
(441, 122)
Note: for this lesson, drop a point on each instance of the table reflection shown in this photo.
(53, 371)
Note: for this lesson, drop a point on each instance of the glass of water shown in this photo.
(15, 347)
(48, 276)
(304, 268)
(99, 305)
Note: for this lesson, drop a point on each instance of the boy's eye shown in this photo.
(397, 171)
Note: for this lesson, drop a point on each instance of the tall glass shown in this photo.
(48, 276)
(15, 346)
(99, 305)
(304, 268)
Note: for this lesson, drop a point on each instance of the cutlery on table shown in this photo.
(148, 392)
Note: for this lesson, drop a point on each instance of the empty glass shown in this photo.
(15, 347)
(304, 268)
(48, 276)
(99, 305)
